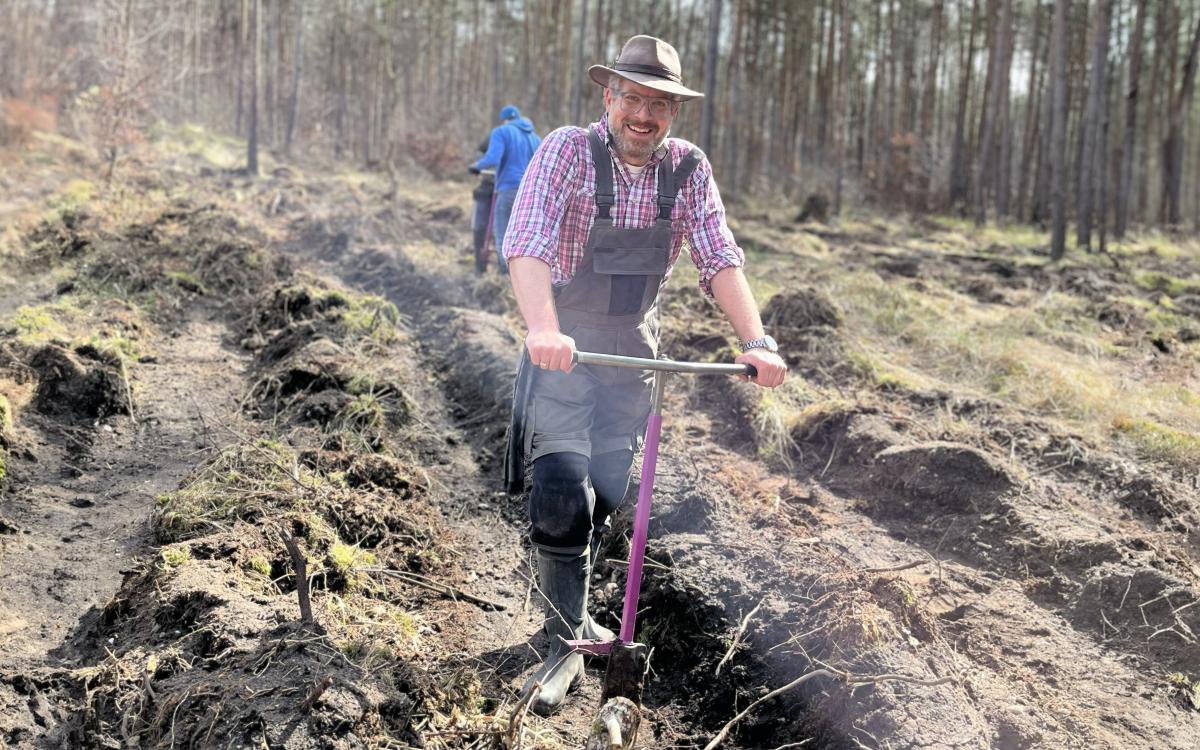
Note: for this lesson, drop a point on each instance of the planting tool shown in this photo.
(627, 659)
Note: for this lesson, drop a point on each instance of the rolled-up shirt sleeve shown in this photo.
(549, 182)
(710, 240)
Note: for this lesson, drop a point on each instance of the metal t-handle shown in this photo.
(662, 365)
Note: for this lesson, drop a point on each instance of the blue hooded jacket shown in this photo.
(510, 148)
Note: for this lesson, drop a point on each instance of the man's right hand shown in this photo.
(550, 350)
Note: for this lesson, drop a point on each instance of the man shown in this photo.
(598, 223)
(510, 147)
(482, 218)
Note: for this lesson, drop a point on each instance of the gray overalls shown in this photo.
(609, 306)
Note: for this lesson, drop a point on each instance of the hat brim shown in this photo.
(600, 74)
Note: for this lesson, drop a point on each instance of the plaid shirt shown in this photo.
(555, 207)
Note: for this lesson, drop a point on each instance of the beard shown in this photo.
(627, 148)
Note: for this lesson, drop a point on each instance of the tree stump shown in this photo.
(615, 726)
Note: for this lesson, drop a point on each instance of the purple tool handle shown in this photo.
(641, 527)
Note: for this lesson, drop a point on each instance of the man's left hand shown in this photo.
(474, 169)
(771, 367)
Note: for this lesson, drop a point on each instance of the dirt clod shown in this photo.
(71, 386)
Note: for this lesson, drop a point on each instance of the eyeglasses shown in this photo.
(631, 103)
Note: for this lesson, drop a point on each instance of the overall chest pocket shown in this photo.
(630, 261)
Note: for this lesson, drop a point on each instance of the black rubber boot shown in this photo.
(564, 583)
(593, 630)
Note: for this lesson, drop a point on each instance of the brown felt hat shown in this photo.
(652, 63)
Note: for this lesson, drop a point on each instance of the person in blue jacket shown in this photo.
(510, 147)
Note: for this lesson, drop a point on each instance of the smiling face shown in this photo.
(637, 134)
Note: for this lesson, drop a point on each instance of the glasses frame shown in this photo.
(646, 101)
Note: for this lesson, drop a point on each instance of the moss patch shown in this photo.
(1160, 441)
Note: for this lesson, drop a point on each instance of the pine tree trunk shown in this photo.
(243, 25)
(1058, 130)
(929, 105)
(255, 65)
(1092, 159)
(710, 76)
(1029, 141)
(995, 94)
(297, 65)
(1129, 139)
(959, 179)
(1173, 146)
(842, 106)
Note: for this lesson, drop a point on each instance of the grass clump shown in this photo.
(1183, 690)
(346, 561)
(346, 557)
(1159, 441)
(373, 318)
(886, 375)
(74, 195)
(41, 323)
(1172, 286)
(117, 347)
(6, 414)
(173, 557)
(222, 152)
(237, 484)
(260, 564)
(187, 281)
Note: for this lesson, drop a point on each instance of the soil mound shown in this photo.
(955, 476)
(80, 384)
(62, 238)
(805, 322)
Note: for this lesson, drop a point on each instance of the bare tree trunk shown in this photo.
(1173, 146)
(710, 76)
(959, 179)
(297, 66)
(889, 110)
(929, 103)
(843, 105)
(243, 25)
(1129, 140)
(1058, 130)
(1093, 145)
(1029, 142)
(580, 75)
(997, 101)
(255, 65)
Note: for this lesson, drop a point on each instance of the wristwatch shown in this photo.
(765, 342)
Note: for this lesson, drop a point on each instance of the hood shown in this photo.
(522, 123)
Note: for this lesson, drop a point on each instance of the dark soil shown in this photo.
(1000, 584)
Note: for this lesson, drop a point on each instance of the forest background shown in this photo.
(1013, 110)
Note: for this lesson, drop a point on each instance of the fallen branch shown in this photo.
(440, 588)
(845, 676)
(896, 568)
(737, 638)
(314, 695)
(516, 719)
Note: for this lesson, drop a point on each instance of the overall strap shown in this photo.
(605, 196)
(669, 181)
